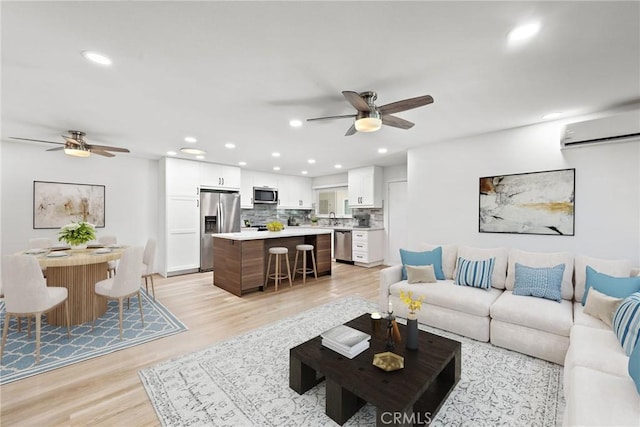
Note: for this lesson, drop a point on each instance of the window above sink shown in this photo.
(333, 199)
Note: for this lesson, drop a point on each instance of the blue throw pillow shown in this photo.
(626, 322)
(539, 282)
(634, 366)
(474, 273)
(433, 257)
(617, 287)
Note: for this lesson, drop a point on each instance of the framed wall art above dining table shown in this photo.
(58, 203)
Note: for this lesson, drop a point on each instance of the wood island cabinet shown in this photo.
(240, 259)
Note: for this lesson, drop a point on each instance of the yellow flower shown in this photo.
(412, 304)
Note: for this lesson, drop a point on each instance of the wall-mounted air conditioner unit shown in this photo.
(622, 127)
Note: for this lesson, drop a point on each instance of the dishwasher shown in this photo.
(342, 245)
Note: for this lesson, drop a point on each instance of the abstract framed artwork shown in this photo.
(58, 203)
(528, 203)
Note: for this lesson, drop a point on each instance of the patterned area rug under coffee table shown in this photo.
(56, 350)
(245, 381)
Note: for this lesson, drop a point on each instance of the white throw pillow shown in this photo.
(449, 256)
(501, 255)
(542, 259)
(615, 268)
(420, 274)
(601, 306)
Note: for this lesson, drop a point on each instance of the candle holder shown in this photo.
(390, 344)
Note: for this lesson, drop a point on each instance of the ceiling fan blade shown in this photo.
(396, 122)
(36, 140)
(351, 131)
(332, 117)
(356, 100)
(55, 149)
(106, 148)
(102, 153)
(405, 104)
(71, 140)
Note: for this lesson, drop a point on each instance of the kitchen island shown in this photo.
(240, 259)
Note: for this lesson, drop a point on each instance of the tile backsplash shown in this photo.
(263, 214)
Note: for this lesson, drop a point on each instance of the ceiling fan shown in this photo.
(76, 145)
(370, 118)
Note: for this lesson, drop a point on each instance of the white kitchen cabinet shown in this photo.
(294, 192)
(263, 179)
(217, 176)
(367, 247)
(181, 177)
(246, 189)
(183, 234)
(179, 216)
(365, 187)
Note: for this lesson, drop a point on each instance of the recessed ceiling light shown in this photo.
(553, 115)
(242, 163)
(276, 154)
(276, 168)
(171, 153)
(311, 161)
(199, 157)
(295, 123)
(190, 139)
(230, 145)
(96, 57)
(382, 150)
(337, 166)
(192, 151)
(523, 32)
(304, 172)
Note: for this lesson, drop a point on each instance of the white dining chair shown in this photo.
(40, 243)
(148, 262)
(26, 294)
(111, 265)
(124, 284)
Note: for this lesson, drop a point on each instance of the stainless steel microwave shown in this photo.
(265, 195)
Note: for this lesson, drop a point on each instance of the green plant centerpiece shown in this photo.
(275, 226)
(314, 220)
(77, 233)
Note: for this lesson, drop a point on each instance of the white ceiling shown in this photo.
(239, 71)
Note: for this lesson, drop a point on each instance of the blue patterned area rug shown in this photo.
(57, 351)
(245, 381)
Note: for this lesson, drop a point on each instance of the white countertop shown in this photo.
(287, 232)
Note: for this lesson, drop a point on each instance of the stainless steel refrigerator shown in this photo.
(219, 213)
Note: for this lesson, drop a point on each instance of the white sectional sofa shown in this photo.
(598, 388)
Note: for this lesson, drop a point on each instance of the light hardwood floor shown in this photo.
(107, 390)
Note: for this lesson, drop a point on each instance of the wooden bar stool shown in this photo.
(278, 275)
(304, 270)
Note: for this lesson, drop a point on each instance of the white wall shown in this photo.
(131, 195)
(443, 191)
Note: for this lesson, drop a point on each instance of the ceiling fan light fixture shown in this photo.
(368, 124)
(368, 121)
(78, 151)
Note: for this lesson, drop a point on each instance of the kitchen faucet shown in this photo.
(335, 220)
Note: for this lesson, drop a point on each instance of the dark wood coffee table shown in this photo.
(409, 396)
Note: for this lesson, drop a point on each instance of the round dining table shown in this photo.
(78, 270)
